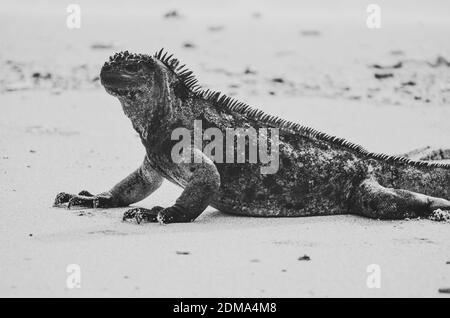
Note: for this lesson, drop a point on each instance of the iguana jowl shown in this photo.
(318, 174)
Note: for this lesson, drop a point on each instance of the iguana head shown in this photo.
(132, 77)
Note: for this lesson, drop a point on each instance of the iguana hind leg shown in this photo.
(372, 200)
(136, 187)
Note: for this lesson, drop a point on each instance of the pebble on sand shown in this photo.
(188, 45)
(172, 14)
(304, 258)
(383, 76)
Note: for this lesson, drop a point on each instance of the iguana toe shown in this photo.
(81, 201)
(62, 198)
(85, 193)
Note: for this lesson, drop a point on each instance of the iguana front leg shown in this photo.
(203, 184)
(136, 187)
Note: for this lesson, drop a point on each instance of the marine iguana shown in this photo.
(318, 174)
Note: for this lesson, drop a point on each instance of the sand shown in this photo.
(315, 65)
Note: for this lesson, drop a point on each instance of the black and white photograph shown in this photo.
(221, 156)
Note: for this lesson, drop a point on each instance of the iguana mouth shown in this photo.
(119, 85)
(122, 92)
(115, 79)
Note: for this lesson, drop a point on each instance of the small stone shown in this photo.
(380, 76)
(38, 75)
(189, 45)
(215, 28)
(102, 46)
(304, 258)
(310, 33)
(397, 52)
(278, 80)
(172, 14)
(256, 15)
(249, 71)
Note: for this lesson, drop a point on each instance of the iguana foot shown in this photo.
(83, 199)
(440, 215)
(142, 215)
(173, 214)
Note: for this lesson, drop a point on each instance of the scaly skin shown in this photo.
(318, 174)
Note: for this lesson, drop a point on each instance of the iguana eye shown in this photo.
(132, 68)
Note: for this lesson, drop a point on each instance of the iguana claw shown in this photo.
(61, 198)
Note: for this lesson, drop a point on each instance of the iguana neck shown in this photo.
(146, 114)
(139, 115)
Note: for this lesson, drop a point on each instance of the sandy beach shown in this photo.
(387, 89)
